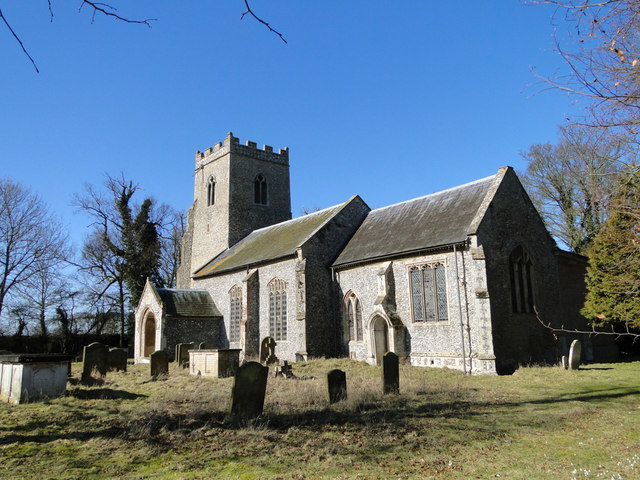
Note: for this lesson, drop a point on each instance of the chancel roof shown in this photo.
(270, 243)
(188, 303)
(440, 219)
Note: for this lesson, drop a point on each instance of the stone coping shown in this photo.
(35, 358)
(195, 350)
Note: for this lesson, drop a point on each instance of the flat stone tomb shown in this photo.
(574, 355)
(214, 363)
(336, 385)
(248, 391)
(390, 373)
(159, 361)
(27, 377)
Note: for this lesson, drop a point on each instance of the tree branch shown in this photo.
(108, 11)
(4, 19)
(250, 12)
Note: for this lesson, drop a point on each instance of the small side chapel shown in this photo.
(450, 279)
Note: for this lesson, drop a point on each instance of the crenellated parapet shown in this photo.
(232, 144)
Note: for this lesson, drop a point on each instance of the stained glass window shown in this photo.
(428, 285)
(278, 309)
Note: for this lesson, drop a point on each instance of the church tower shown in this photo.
(238, 189)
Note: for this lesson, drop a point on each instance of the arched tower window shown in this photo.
(520, 273)
(211, 192)
(353, 311)
(277, 309)
(235, 309)
(260, 190)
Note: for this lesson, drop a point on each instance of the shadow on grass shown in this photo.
(103, 393)
(154, 426)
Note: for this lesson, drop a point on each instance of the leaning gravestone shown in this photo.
(159, 361)
(247, 393)
(336, 385)
(574, 355)
(117, 359)
(390, 373)
(182, 353)
(94, 356)
(268, 351)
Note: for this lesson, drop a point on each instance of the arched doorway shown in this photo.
(380, 338)
(149, 340)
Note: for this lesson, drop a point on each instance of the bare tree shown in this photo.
(570, 182)
(31, 239)
(171, 228)
(599, 41)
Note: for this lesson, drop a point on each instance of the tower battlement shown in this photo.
(232, 144)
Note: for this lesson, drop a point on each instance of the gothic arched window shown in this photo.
(520, 273)
(354, 317)
(211, 192)
(260, 190)
(235, 300)
(277, 309)
(429, 293)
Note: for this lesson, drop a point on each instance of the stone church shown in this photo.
(450, 279)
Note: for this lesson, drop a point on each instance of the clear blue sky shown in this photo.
(388, 100)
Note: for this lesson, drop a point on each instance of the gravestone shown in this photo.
(202, 346)
(574, 355)
(336, 385)
(182, 353)
(390, 373)
(159, 361)
(117, 359)
(565, 362)
(247, 393)
(283, 370)
(94, 356)
(268, 351)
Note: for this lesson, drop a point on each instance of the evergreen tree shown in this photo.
(613, 274)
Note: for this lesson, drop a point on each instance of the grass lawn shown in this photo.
(537, 423)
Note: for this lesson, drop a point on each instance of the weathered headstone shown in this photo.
(565, 362)
(247, 393)
(182, 353)
(268, 351)
(390, 373)
(336, 385)
(94, 356)
(159, 361)
(117, 359)
(574, 355)
(202, 346)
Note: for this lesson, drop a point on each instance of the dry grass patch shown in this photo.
(538, 423)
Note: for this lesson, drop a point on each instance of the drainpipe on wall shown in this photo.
(464, 354)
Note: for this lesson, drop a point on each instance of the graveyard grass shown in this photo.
(541, 422)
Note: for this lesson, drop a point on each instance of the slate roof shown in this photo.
(439, 219)
(270, 243)
(188, 303)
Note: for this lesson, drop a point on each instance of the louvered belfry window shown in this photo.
(278, 309)
(211, 192)
(260, 190)
(428, 285)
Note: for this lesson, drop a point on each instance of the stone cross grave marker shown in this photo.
(336, 385)
(268, 351)
(574, 355)
(248, 390)
(159, 361)
(182, 353)
(94, 356)
(390, 373)
(117, 359)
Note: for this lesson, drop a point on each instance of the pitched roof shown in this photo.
(187, 303)
(439, 219)
(270, 243)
